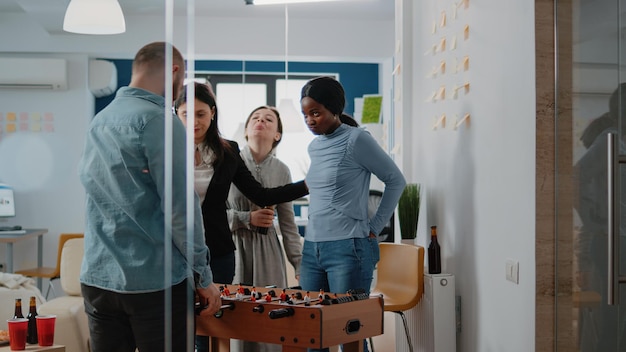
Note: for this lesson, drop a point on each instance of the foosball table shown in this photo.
(293, 318)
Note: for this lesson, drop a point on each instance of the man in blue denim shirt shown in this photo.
(123, 172)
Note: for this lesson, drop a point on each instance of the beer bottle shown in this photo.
(434, 253)
(31, 336)
(18, 309)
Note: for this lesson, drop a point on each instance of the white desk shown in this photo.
(11, 239)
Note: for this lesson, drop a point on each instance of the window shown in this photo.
(238, 94)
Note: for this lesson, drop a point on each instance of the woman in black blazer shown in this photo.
(218, 164)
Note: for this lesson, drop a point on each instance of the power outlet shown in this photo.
(512, 271)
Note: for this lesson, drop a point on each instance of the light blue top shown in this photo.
(339, 179)
(123, 172)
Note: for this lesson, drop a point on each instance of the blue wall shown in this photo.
(357, 78)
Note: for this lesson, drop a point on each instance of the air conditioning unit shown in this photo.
(33, 73)
(102, 78)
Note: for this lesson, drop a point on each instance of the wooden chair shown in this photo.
(48, 272)
(400, 279)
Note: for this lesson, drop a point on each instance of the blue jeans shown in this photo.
(338, 266)
(122, 322)
(223, 269)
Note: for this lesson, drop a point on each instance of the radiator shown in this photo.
(432, 323)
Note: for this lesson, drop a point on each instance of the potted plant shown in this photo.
(408, 211)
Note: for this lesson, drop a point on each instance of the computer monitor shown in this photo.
(7, 202)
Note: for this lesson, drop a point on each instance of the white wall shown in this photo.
(256, 38)
(479, 180)
(41, 163)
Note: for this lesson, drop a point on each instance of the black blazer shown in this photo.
(232, 169)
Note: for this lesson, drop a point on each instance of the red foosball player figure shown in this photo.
(240, 292)
(283, 296)
(225, 291)
(268, 297)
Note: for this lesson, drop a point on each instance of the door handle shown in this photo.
(613, 218)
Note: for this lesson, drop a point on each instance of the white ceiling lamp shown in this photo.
(94, 17)
(275, 2)
(291, 119)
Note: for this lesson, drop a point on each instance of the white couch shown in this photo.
(7, 301)
(71, 328)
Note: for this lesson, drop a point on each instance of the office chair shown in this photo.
(400, 280)
(49, 272)
(387, 234)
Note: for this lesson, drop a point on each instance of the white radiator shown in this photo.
(432, 323)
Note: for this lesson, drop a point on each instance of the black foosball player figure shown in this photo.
(321, 295)
(283, 296)
(292, 299)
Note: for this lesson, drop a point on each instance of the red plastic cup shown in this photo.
(17, 333)
(45, 329)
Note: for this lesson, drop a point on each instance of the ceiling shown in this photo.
(49, 13)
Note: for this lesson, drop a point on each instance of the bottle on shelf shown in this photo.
(31, 335)
(434, 253)
(18, 309)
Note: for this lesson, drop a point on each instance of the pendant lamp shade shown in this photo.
(292, 120)
(94, 17)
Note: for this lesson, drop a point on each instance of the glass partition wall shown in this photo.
(590, 165)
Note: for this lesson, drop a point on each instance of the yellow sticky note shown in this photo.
(36, 116)
(11, 116)
(466, 32)
(35, 127)
(442, 45)
(442, 67)
(465, 63)
(441, 93)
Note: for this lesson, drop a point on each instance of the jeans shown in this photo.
(223, 269)
(338, 266)
(122, 322)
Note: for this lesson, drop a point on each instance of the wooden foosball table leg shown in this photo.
(217, 344)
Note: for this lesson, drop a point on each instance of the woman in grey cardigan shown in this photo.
(259, 258)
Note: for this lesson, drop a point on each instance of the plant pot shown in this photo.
(410, 241)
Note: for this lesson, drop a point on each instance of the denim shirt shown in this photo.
(123, 172)
(342, 163)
